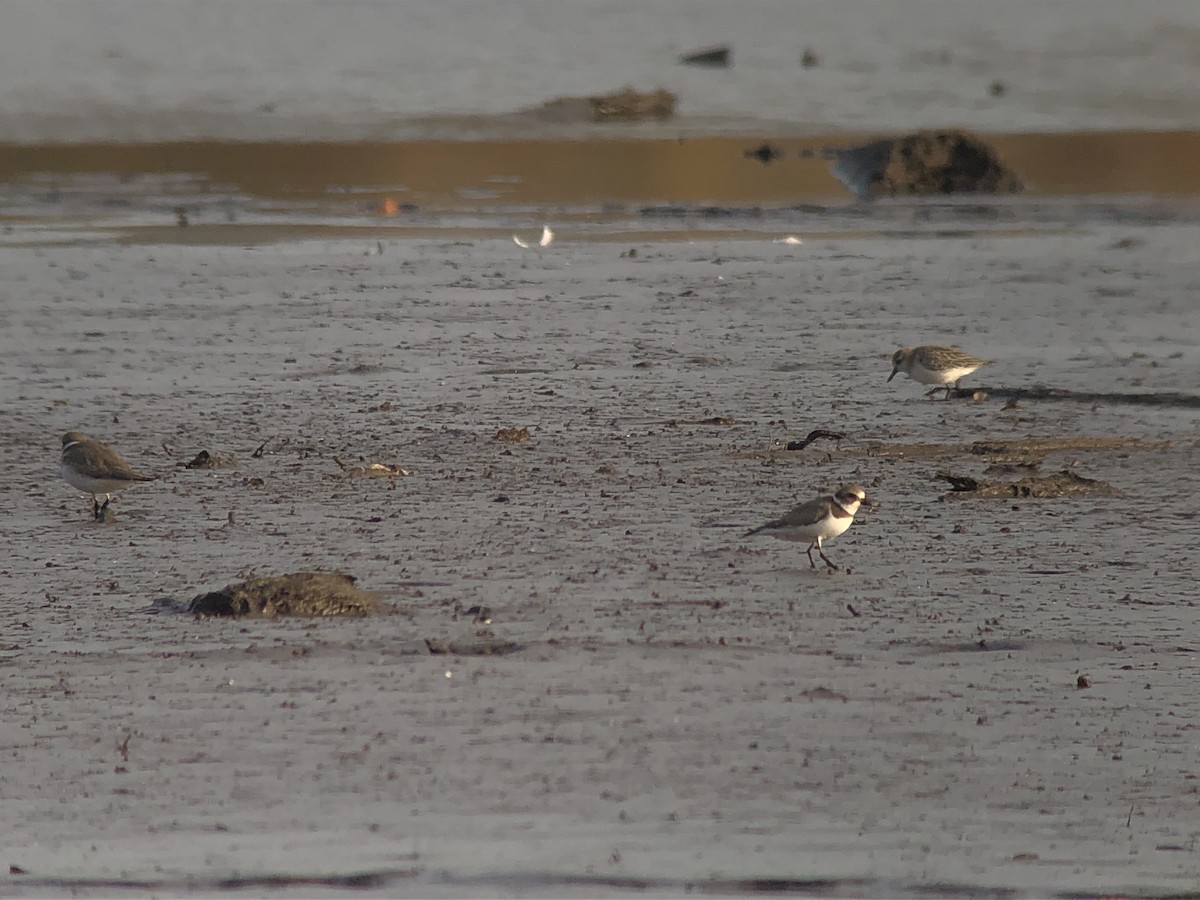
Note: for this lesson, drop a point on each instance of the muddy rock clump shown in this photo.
(298, 594)
(626, 105)
(925, 163)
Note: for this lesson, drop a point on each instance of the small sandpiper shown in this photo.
(818, 520)
(935, 365)
(92, 467)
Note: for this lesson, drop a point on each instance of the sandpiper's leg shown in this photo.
(95, 506)
(809, 552)
(821, 550)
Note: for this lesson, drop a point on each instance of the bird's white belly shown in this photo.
(942, 376)
(91, 485)
(827, 528)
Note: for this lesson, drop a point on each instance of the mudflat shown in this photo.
(991, 695)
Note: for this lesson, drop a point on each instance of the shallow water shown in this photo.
(586, 190)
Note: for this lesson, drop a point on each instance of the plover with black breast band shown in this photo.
(818, 520)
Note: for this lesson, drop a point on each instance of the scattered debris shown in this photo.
(372, 470)
(512, 434)
(298, 594)
(790, 239)
(719, 56)
(809, 58)
(482, 615)
(824, 693)
(1127, 243)
(1083, 681)
(206, 460)
(1062, 484)
(546, 239)
(816, 435)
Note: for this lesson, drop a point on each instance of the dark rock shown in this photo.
(764, 153)
(925, 163)
(719, 56)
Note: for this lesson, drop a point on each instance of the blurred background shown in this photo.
(237, 96)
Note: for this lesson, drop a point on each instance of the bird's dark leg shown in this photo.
(809, 552)
(95, 507)
(826, 558)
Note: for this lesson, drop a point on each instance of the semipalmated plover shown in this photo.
(935, 365)
(818, 520)
(92, 467)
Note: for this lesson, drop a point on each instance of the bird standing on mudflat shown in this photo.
(935, 365)
(818, 520)
(95, 468)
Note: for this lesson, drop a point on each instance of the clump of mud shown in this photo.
(924, 163)
(482, 645)
(298, 594)
(214, 460)
(513, 434)
(1061, 484)
(626, 105)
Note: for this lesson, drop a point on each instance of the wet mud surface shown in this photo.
(663, 706)
(1061, 484)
